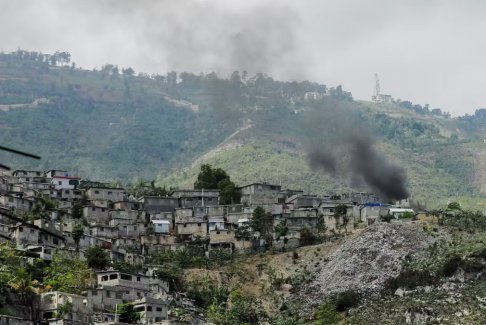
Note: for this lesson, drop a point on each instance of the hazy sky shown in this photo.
(426, 51)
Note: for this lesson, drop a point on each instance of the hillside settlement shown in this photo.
(131, 229)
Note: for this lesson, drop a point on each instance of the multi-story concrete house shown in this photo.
(17, 202)
(260, 194)
(234, 217)
(162, 227)
(332, 221)
(71, 195)
(139, 285)
(60, 179)
(24, 234)
(103, 231)
(192, 228)
(51, 303)
(5, 233)
(88, 241)
(154, 243)
(303, 201)
(196, 198)
(130, 230)
(227, 240)
(301, 218)
(128, 205)
(128, 244)
(216, 223)
(27, 173)
(127, 215)
(33, 186)
(106, 194)
(157, 204)
(182, 214)
(96, 214)
(152, 310)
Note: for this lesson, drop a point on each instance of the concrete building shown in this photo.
(196, 198)
(65, 308)
(106, 194)
(259, 194)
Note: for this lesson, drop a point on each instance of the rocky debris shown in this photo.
(419, 315)
(364, 263)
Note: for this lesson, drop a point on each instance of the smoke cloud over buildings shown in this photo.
(350, 153)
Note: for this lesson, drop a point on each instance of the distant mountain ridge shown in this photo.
(111, 124)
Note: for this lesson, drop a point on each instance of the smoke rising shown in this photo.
(350, 153)
(184, 35)
(383, 178)
(312, 39)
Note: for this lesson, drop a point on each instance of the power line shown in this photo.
(18, 152)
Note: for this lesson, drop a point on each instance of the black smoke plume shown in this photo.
(382, 177)
(348, 151)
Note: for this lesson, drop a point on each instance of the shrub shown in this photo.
(326, 314)
(347, 299)
(128, 314)
(244, 309)
(206, 291)
(295, 255)
(481, 253)
(451, 265)
(406, 215)
(307, 237)
(410, 279)
(97, 258)
(171, 273)
(472, 265)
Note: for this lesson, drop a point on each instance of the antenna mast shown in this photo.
(377, 86)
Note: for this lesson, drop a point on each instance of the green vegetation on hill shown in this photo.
(112, 124)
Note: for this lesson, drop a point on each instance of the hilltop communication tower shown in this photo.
(379, 97)
(377, 86)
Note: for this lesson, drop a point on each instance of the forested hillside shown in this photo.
(114, 124)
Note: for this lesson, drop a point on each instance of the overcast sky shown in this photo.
(425, 51)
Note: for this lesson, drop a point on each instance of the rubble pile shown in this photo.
(363, 264)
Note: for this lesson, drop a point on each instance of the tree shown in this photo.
(23, 284)
(65, 309)
(242, 309)
(307, 237)
(439, 214)
(78, 232)
(97, 258)
(229, 194)
(128, 72)
(77, 211)
(209, 177)
(67, 274)
(10, 262)
(281, 230)
(341, 212)
(263, 223)
(42, 208)
(171, 273)
(244, 231)
(217, 178)
(128, 314)
(148, 188)
(454, 206)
